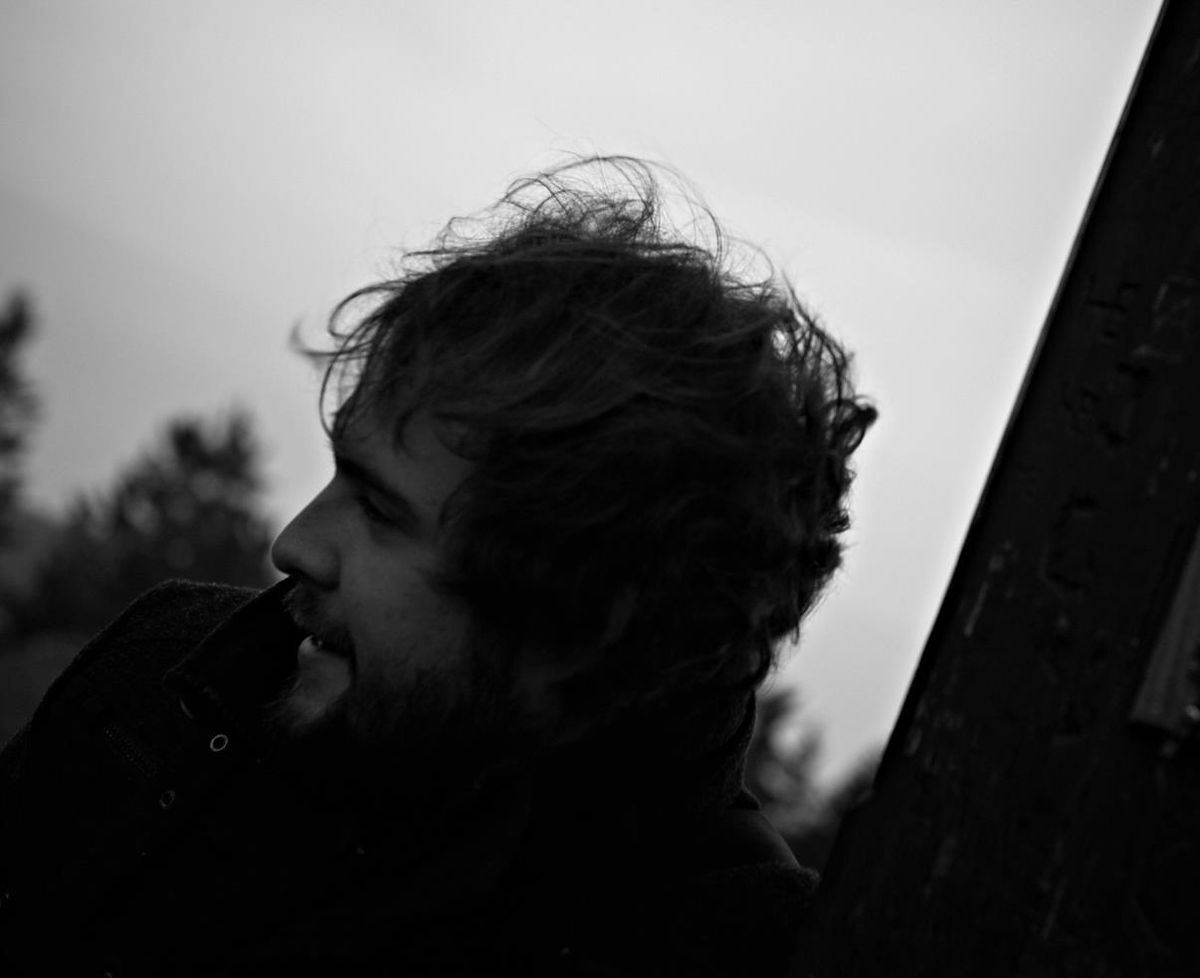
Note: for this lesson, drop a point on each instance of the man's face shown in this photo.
(388, 656)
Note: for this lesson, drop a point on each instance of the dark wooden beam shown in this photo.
(1037, 811)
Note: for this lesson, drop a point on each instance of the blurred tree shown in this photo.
(189, 507)
(781, 772)
(17, 403)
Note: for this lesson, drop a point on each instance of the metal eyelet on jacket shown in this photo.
(218, 743)
(166, 799)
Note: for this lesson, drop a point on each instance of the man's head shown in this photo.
(624, 470)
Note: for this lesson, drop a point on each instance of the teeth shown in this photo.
(323, 647)
(317, 645)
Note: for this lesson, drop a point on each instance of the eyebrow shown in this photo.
(402, 508)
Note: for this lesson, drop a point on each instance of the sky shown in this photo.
(182, 185)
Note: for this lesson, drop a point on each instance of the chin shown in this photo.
(305, 708)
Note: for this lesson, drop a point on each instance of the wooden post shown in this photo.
(1037, 811)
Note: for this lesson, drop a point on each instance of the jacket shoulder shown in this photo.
(79, 785)
(150, 636)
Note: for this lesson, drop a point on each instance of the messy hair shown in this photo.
(661, 445)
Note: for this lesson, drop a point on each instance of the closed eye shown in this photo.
(371, 511)
(392, 509)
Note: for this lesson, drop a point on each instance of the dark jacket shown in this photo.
(146, 828)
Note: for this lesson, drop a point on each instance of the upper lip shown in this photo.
(304, 611)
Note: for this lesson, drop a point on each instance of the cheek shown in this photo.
(407, 627)
(398, 622)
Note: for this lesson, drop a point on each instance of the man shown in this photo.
(494, 719)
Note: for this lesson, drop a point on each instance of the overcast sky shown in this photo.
(180, 184)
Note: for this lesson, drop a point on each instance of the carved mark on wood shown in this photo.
(1169, 697)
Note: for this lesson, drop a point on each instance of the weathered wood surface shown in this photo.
(1024, 820)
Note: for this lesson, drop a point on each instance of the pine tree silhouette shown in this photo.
(18, 406)
(188, 508)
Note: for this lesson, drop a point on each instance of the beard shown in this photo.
(393, 737)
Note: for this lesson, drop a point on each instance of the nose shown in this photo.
(307, 548)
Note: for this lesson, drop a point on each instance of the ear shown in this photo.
(549, 682)
(541, 683)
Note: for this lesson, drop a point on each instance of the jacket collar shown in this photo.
(226, 679)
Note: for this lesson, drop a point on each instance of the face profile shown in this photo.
(381, 639)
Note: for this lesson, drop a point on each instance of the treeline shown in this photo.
(190, 506)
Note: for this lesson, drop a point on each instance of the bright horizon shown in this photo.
(180, 186)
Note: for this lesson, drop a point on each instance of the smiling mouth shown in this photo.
(321, 635)
(314, 644)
